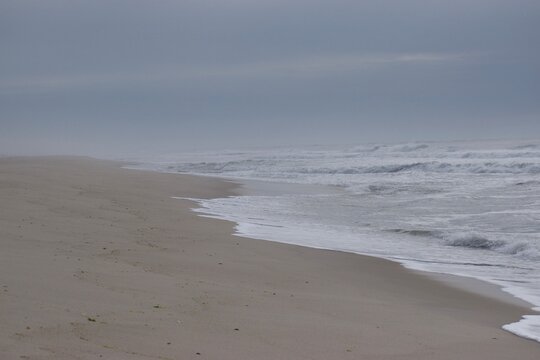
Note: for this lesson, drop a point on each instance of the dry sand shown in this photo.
(100, 262)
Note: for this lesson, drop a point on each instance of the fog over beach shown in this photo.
(387, 154)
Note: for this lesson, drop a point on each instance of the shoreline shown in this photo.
(460, 281)
(99, 260)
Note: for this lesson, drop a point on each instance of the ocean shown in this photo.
(469, 208)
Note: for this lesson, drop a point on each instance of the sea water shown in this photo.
(463, 208)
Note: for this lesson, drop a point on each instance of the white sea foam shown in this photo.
(528, 327)
(470, 208)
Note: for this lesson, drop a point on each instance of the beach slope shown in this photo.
(97, 261)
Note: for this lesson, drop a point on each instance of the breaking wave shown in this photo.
(472, 240)
(433, 166)
(521, 249)
(427, 167)
(500, 155)
(476, 168)
(477, 241)
(410, 148)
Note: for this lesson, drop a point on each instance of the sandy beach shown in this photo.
(97, 261)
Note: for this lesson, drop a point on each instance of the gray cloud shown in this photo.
(308, 67)
(118, 75)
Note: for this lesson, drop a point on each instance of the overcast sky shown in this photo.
(130, 76)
